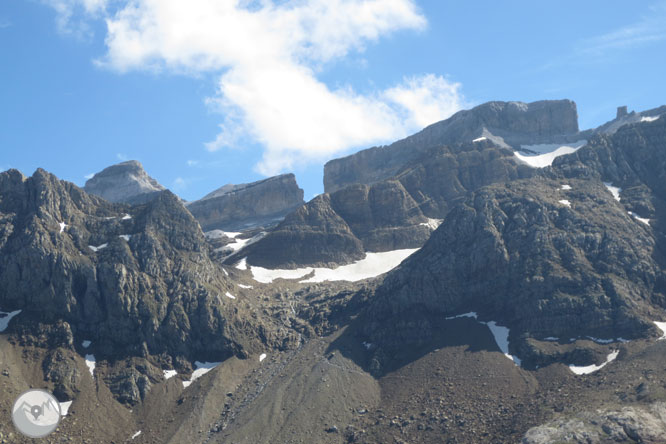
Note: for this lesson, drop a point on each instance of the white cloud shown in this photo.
(268, 54)
(121, 156)
(427, 98)
(191, 163)
(89, 176)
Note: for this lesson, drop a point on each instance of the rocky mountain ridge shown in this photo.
(239, 207)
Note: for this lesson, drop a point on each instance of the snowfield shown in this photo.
(6, 317)
(168, 374)
(91, 362)
(201, 368)
(501, 334)
(371, 266)
(587, 369)
(615, 191)
(565, 187)
(100, 247)
(638, 218)
(565, 202)
(64, 407)
(541, 156)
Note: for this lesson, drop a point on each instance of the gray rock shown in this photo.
(637, 423)
(237, 207)
(125, 182)
(157, 292)
(508, 124)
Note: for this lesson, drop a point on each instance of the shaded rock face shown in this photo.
(150, 288)
(508, 124)
(125, 182)
(237, 207)
(392, 214)
(633, 159)
(517, 255)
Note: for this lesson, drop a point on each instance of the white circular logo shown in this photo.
(36, 413)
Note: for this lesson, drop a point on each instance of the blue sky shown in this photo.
(209, 92)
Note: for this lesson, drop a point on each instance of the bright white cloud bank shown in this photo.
(268, 54)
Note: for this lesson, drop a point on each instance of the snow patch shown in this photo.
(85, 344)
(551, 338)
(262, 357)
(649, 118)
(126, 217)
(245, 286)
(565, 202)
(63, 225)
(638, 218)
(500, 333)
(432, 223)
(587, 369)
(367, 345)
(660, 325)
(371, 266)
(201, 368)
(480, 139)
(471, 314)
(136, 434)
(100, 247)
(64, 407)
(242, 265)
(168, 374)
(5, 317)
(541, 156)
(127, 237)
(615, 191)
(229, 295)
(565, 187)
(91, 362)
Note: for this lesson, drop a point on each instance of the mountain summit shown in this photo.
(125, 182)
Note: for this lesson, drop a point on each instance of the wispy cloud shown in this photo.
(89, 176)
(192, 163)
(267, 55)
(4, 23)
(649, 29)
(179, 184)
(72, 15)
(122, 157)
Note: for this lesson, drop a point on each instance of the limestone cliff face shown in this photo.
(392, 214)
(508, 124)
(235, 207)
(125, 182)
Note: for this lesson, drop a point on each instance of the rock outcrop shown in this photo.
(556, 255)
(637, 423)
(237, 207)
(125, 182)
(392, 214)
(507, 124)
(136, 281)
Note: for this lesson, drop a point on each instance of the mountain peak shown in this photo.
(124, 182)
